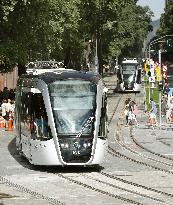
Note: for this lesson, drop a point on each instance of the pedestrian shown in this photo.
(153, 112)
(153, 107)
(127, 101)
(4, 111)
(1, 97)
(12, 107)
(168, 116)
(171, 116)
(131, 104)
(163, 105)
(145, 107)
(171, 104)
(135, 109)
(11, 94)
(8, 106)
(166, 89)
(135, 112)
(132, 118)
(126, 114)
(5, 93)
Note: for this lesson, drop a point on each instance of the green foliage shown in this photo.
(61, 29)
(166, 21)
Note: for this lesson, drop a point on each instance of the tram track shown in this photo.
(98, 190)
(137, 155)
(131, 186)
(108, 185)
(112, 152)
(125, 147)
(150, 151)
(153, 155)
(117, 153)
(26, 190)
(110, 194)
(117, 179)
(110, 188)
(36, 194)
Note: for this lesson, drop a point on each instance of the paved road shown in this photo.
(49, 183)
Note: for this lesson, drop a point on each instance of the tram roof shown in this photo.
(130, 61)
(61, 74)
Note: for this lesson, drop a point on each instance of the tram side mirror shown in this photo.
(105, 90)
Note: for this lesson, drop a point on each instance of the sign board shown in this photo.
(152, 85)
(164, 68)
(152, 79)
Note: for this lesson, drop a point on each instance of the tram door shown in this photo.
(33, 119)
(25, 120)
(17, 119)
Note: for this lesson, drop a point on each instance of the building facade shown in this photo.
(9, 80)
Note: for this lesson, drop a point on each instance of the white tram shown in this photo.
(129, 76)
(61, 117)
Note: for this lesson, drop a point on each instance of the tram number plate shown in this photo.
(76, 152)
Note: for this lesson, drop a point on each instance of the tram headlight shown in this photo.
(64, 145)
(86, 144)
(75, 143)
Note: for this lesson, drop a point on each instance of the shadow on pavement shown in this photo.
(50, 169)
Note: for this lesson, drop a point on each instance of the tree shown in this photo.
(166, 21)
(62, 29)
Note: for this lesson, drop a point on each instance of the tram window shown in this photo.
(129, 69)
(25, 113)
(39, 117)
(34, 120)
(73, 103)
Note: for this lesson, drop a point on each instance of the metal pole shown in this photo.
(149, 70)
(149, 93)
(160, 116)
(160, 57)
(96, 57)
(5, 82)
(149, 50)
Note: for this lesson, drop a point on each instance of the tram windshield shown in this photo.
(73, 103)
(129, 72)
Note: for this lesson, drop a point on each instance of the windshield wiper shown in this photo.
(88, 122)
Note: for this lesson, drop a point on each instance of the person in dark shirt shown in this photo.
(11, 94)
(1, 97)
(166, 89)
(5, 93)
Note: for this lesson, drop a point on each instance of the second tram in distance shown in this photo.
(61, 117)
(129, 76)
